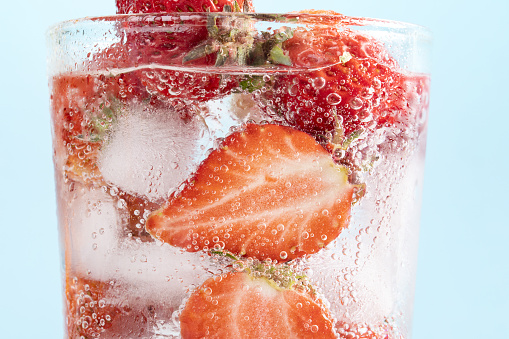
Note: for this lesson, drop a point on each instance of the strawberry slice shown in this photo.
(155, 6)
(240, 305)
(269, 191)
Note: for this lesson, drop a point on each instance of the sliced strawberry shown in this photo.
(155, 6)
(240, 305)
(269, 191)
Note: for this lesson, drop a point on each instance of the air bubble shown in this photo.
(114, 191)
(339, 154)
(333, 99)
(283, 255)
(377, 83)
(318, 82)
(293, 90)
(238, 266)
(356, 103)
(121, 204)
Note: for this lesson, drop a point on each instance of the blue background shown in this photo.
(463, 273)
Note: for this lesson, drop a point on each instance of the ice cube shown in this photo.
(150, 152)
(154, 272)
(226, 114)
(93, 232)
(245, 108)
(98, 249)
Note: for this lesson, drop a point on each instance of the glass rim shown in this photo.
(335, 19)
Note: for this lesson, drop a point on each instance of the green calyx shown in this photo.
(280, 276)
(234, 41)
(230, 42)
(252, 83)
(101, 122)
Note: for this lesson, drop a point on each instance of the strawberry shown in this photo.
(84, 107)
(268, 191)
(156, 6)
(350, 85)
(136, 211)
(243, 305)
(90, 310)
(157, 44)
(169, 47)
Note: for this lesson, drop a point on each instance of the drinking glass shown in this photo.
(233, 174)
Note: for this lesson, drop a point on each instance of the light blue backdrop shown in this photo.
(463, 274)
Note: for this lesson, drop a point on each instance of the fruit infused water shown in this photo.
(238, 175)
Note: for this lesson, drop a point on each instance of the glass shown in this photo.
(238, 175)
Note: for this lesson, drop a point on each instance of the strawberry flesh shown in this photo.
(237, 305)
(269, 191)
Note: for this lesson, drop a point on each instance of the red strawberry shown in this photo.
(169, 47)
(240, 305)
(90, 311)
(84, 108)
(269, 191)
(155, 6)
(137, 209)
(351, 84)
(158, 45)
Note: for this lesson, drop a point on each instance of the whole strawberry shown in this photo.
(156, 6)
(346, 83)
(195, 42)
